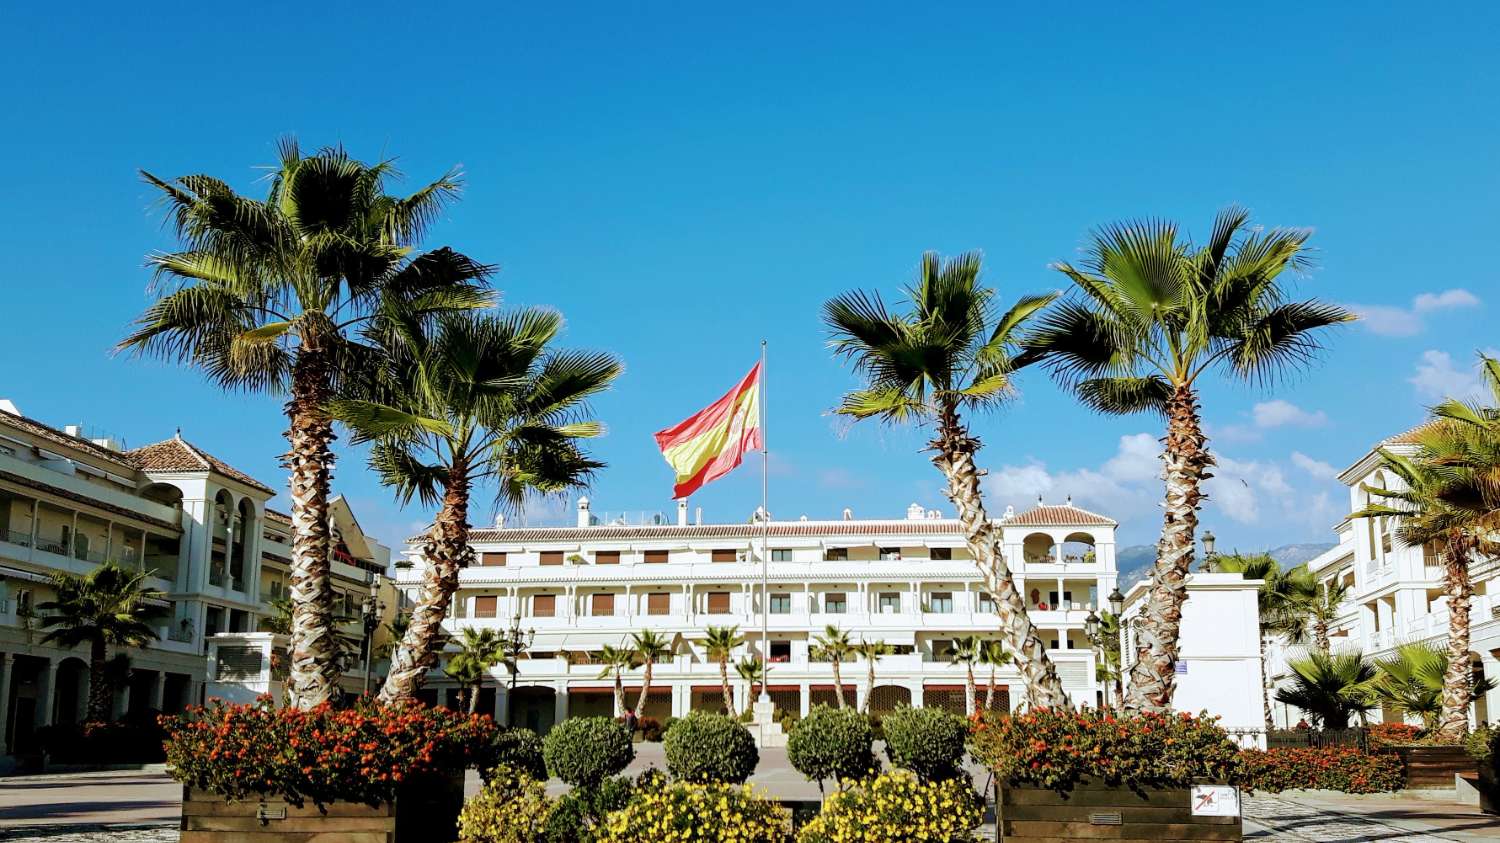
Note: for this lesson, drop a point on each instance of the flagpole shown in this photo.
(765, 539)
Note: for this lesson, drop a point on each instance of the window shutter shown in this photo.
(544, 605)
(552, 557)
(659, 604)
(604, 604)
(723, 555)
(238, 662)
(655, 556)
(607, 557)
(486, 606)
(491, 560)
(718, 603)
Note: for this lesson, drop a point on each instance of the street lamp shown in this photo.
(1117, 606)
(370, 611)
(514, 643)
(1208, 551)
(1091, 631)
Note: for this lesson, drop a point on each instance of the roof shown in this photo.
(1412, 436)
(52, 434)
(278, 516)
(177, 454)
(84, 499)
(1066, 515)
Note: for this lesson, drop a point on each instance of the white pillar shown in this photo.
(47, 692)
(502, 702)
(804, 694)
(7, 665)
(159, 690)
(560, 703)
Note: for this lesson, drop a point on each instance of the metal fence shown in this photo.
(1357, 738)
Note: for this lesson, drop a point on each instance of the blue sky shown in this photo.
(682, 183)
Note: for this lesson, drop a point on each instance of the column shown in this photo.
(47, 690)
(629, 608)
(804, 694)
(120, 704)
(560, 703)
(502, 702)
(159, 690)
(915, 687)
(7, 664)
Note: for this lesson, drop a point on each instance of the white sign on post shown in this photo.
(1215, 800)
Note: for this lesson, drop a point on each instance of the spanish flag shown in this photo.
(710, 443)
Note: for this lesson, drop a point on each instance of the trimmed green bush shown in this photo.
(512, 808)
(518, 748)
(832, 743)
(584, 751)
(705, 748)
(927, 741)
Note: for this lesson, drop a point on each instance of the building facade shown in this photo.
(1395, 592)
(201, 528)
(909, 582)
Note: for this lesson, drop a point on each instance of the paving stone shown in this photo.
(1286, 820)
(153, 833)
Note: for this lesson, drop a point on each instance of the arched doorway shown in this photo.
(535, 707)
(887, 698)
(70, 698)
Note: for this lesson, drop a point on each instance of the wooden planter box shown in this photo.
(1433, 766)
(1099, 812)
(422, 811)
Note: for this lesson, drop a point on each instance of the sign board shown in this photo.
(1180, 666)
(1215, 800)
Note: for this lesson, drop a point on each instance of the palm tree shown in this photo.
(721, 642)
(1330, 687)
(949, 354)
(1280, 597)
(1153, 314)
(835, 646)
(871, 651)
(475, 399)
(1324, 608)
(478, 651)
(615, 661)
(1411, 682)
(104, 608)
(967, 651)
(996, 657)
(266, 296)
(752, 670)
(649, 646)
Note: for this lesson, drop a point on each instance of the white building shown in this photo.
(909, 582)
(70, 501)
(1396, 592)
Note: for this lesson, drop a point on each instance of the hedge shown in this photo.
(584, 751)
(1339, 768)
(704, 748)
(927, 741)
(832, 743)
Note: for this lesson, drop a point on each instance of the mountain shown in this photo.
(1134, 562)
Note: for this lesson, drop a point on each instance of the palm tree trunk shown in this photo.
(313, 673)
(989, 691)
(954, 451)
(838, 683)
(1265, 688)
(970, 692)
(869, 685)
(724, 685)
(1186, 458)
(1458, 681)
(619, 694)
(474, 697)
(99, 691)
(1320, 634)
(640, 701)
(446, 551)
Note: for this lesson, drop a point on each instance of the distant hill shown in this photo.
(1134, 562)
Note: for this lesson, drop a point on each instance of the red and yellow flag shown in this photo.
(712, 442)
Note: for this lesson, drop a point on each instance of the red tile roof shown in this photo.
(1066, 515)
(177, 454)
(278, 516)
(52, 434)
(1412, 436)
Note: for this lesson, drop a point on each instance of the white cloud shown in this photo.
(1316, 468)
(1278, 413)
(1437, 377)
(1390, 321)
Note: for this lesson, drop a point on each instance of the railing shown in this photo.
(52, 547)
(1317, 737)
(16, 537)
(179, 634)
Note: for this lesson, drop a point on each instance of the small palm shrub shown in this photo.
(584, 751)
(704, 747)
(927, 741)
(702, 813)
(832, 743)
(898, 807)
(518, 748)
(512, 808)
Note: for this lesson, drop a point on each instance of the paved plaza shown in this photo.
(141, 806)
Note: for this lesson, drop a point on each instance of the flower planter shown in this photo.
(1433, 766)
(423, 811)
(1099, 812)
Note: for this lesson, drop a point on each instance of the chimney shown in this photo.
(74, 430)
(499, 520)
(682, 512)
(583, 512)
(698, 516)
(914, 512)
(1009, 510)
(848, 514)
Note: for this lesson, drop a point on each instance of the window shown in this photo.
(781, 651)
(607, 557)
(986, 603)
(940, 602)
(656, 556)
(781, 554)
(781, 604)
(602, 605)
(491, 560)
(486, 606)
(718, 602)
(552, 557)
(890, 553)
(1065, 603)
(836, 554)
(890, 602)
(834, 603)
(23, 601)
(544, 605)
(659, 603)
(723, 554)
(942, 554)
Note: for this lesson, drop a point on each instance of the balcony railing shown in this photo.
(52, 547)
(179, 634)
(17, 537)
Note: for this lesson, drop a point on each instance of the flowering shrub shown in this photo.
(584, 751)
(927, 741)
(1328, 768)
(705, 747)
(1482, 743)
(831, 743)
(1056, 749)
(703, 813)
(1388, 734)
(897, 807)
(359, 754)
(512, 808)
(95, 742)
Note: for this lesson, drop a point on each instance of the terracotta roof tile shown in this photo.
(52, 434)
(278, 516)
(1412, 436)
(178, 454)
(1066, 515)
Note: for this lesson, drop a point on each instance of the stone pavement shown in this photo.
(1331, 817)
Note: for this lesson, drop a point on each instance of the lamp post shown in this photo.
(514, 643)
(1091, 629)
(1116, 606)
(370, 611)
(1208, 552)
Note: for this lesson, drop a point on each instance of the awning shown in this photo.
(22, 575)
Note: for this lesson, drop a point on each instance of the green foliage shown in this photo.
(578, 816)
(584, 751)
(106, 605)
(927, 741)
(1411, 682)
(517, 748)
(898, 807)
(704, 747)
(701, 813)
(1330, 687)
(1056, 749)
(512, 808)
(1483, 745)
(1326, 768)
(832, 743)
